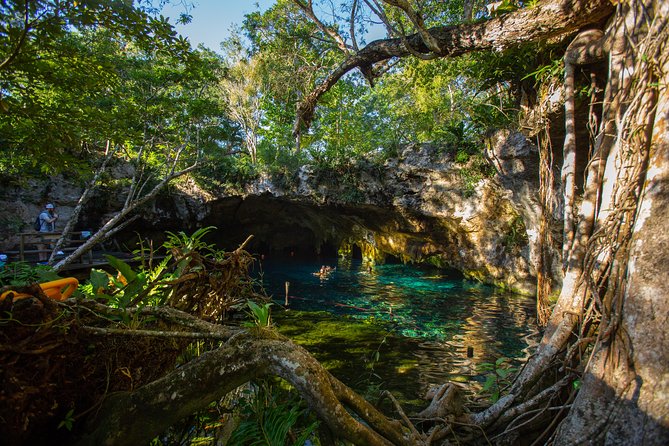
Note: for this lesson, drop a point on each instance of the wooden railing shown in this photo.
(42, 243)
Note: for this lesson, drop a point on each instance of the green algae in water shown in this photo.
(419, 320)
(346, 347)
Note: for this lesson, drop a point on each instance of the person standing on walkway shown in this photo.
(47, 219)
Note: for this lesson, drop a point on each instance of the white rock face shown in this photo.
(488, 231)
(420, 206)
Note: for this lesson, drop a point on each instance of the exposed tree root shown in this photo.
(136, 417)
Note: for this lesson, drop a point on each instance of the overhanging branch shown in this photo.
(547, 19)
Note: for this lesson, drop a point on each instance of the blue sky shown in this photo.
(212, 19)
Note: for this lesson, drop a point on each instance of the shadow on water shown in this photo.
(420, 320)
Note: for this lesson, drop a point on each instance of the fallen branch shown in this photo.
(155, 333)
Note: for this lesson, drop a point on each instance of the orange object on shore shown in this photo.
(59, 289)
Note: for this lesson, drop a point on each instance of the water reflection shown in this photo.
(429, 321)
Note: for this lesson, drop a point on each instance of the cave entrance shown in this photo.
(356, 252)
(327, 249)
(392, 260)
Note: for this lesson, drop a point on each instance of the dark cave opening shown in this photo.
(328, 250)
(392, 260)
(287, 229)
(356, 252)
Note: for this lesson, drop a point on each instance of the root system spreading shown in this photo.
(61, 359)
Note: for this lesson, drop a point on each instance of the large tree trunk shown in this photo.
(614, 292)
(625, 394)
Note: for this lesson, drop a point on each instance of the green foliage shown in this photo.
(267, 420)
(285, 175)
(125, 289)
(516, 235)
(473, 168)
(115, 71)
(146, 285)
(183, 243)
(505, 7)
(94, 72)
(68, 421)
(189, 258)
(415, 102)
(125, 271)
(260, 314)
(545, 72)
(24, 273)
(342, 176)
(130, 286)
(499, 377)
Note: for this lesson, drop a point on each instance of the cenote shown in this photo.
(420, 320)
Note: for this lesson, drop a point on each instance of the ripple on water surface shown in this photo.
(420, 320)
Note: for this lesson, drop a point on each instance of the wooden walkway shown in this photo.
(32, 244)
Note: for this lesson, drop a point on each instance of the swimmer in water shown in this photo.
(324, 272)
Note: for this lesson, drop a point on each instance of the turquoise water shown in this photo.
(421, 321)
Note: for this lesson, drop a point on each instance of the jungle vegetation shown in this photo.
(86, 84)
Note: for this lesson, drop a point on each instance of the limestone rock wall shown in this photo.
(22, 202)
(415, 208)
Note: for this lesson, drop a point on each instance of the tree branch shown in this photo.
(22, 38)
(130, 206)
(377, 9)
(83, 199)
(308, 10)
(547, 19)
(154, 333)
(354, 41)
(417, 20)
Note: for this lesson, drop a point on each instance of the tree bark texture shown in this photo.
(625, 394)
(139, 416)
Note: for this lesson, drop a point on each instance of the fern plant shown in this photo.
(268, 421)
(185, 243)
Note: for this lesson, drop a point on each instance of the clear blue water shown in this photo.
(420, 320)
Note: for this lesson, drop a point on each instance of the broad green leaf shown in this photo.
(490, 380)
(99, 279)
(122, 267)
